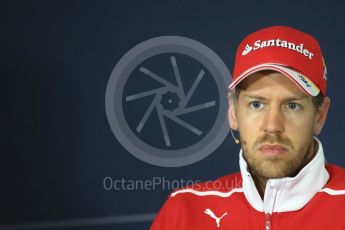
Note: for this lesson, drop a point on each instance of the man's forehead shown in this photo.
(255, 77)
(273, 82)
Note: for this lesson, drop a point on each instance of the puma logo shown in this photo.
(212, 215)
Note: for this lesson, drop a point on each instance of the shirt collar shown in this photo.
(288, 193)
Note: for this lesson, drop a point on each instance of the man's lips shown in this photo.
(272, 150)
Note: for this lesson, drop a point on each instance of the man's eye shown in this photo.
(256, 105)
(293, 106)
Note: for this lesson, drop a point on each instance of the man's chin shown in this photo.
(272, 172)
(272, 167)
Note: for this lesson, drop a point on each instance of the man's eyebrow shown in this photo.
(258, 97)
(253, 96)
(295, 98)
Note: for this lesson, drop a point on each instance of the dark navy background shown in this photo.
(56, 58)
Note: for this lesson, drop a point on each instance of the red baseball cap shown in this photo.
(284, 49)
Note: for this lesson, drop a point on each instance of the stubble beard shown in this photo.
(271, 167)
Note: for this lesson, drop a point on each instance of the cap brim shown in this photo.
(304, 83)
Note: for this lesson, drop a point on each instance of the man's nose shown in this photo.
(273, 122)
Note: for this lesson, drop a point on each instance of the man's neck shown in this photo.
(260, 182)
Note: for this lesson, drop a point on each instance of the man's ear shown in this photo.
(321, 116)
(232, 115)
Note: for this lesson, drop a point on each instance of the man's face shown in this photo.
(276, 122)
